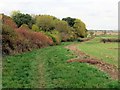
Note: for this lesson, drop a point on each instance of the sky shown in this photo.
(96, 14)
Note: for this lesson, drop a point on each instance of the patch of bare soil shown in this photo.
(84, 58)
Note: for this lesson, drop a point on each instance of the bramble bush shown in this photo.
(35, 39)
(8, 21)
(17, 40)
(9, 37)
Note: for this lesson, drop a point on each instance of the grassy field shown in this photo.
(107, 52)
(107, 36)
(47, 68)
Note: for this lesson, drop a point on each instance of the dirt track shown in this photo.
(84, 58)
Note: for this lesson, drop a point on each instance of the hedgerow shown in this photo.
(110, 40)
(22, 39)
(37, 32)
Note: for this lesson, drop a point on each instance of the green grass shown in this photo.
(108, 36)
(47, 68)
(102, 51)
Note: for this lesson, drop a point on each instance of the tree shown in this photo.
(14, 13)
(80, 28)
(67, 32)
(70, 21)
(21, 18)
(45, 22)
(61, 26)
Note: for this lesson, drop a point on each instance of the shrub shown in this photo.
(68, 37)
(65, 36)
(22, 39)
(8, 21)
(35, 37)
(55, 38)
(110, 40)
(84, 39)
(7, 30)
(52, 36)
(71, 35)
(24, 27)
(13, 42)
(55, 35)
(35, 28)
(9, 37)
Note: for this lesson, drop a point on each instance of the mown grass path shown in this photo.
(48, 68)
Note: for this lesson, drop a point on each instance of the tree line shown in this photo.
(32, 29)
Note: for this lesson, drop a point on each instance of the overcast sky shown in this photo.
(97, 14)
